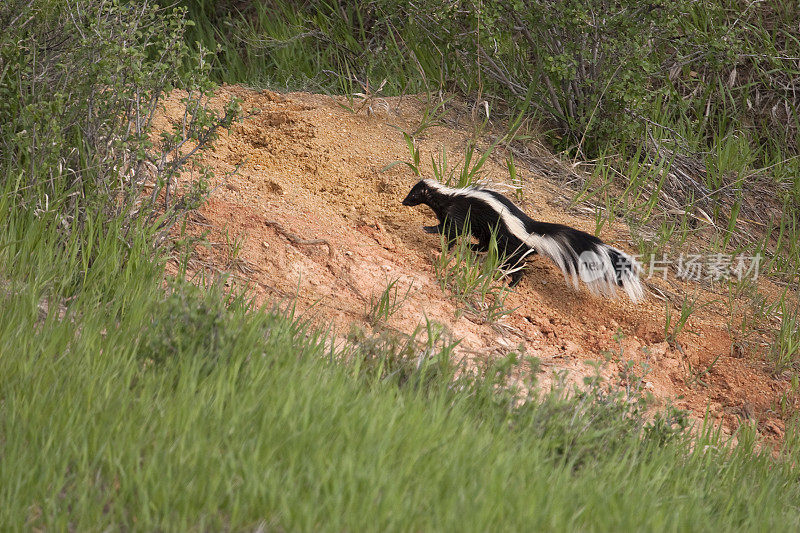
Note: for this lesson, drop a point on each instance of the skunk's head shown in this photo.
(419, 194)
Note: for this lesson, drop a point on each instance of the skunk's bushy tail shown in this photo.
(583, 257)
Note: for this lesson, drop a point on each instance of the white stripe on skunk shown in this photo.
(578, 254)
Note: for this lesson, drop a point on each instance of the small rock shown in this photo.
(265, 244)
(570, 348)
(544, 325)
(659, 350)
(648, 385)
(348, 253)
(669, 363)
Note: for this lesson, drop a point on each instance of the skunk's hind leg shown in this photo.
(514, 265)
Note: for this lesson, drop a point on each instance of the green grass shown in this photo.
(786, 349)
(674, 325)
(475, 280)
(168, 409)
(382, 307)
(321, 47)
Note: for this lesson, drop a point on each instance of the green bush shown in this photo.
(192, 321)
(595, 71)
(80, 85)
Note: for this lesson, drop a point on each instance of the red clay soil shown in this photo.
(318, 218)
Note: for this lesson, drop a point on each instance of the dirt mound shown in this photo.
(315, 214)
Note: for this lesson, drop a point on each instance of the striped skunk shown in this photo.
(578, 254)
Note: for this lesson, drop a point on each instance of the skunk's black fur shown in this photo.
(602, 267)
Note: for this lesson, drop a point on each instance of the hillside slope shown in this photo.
(311, 170)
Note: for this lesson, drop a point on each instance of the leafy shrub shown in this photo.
(189, 323)
(80, 85)
(596, 71)
(404, 361)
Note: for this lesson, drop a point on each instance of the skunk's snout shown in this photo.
(411, 199)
